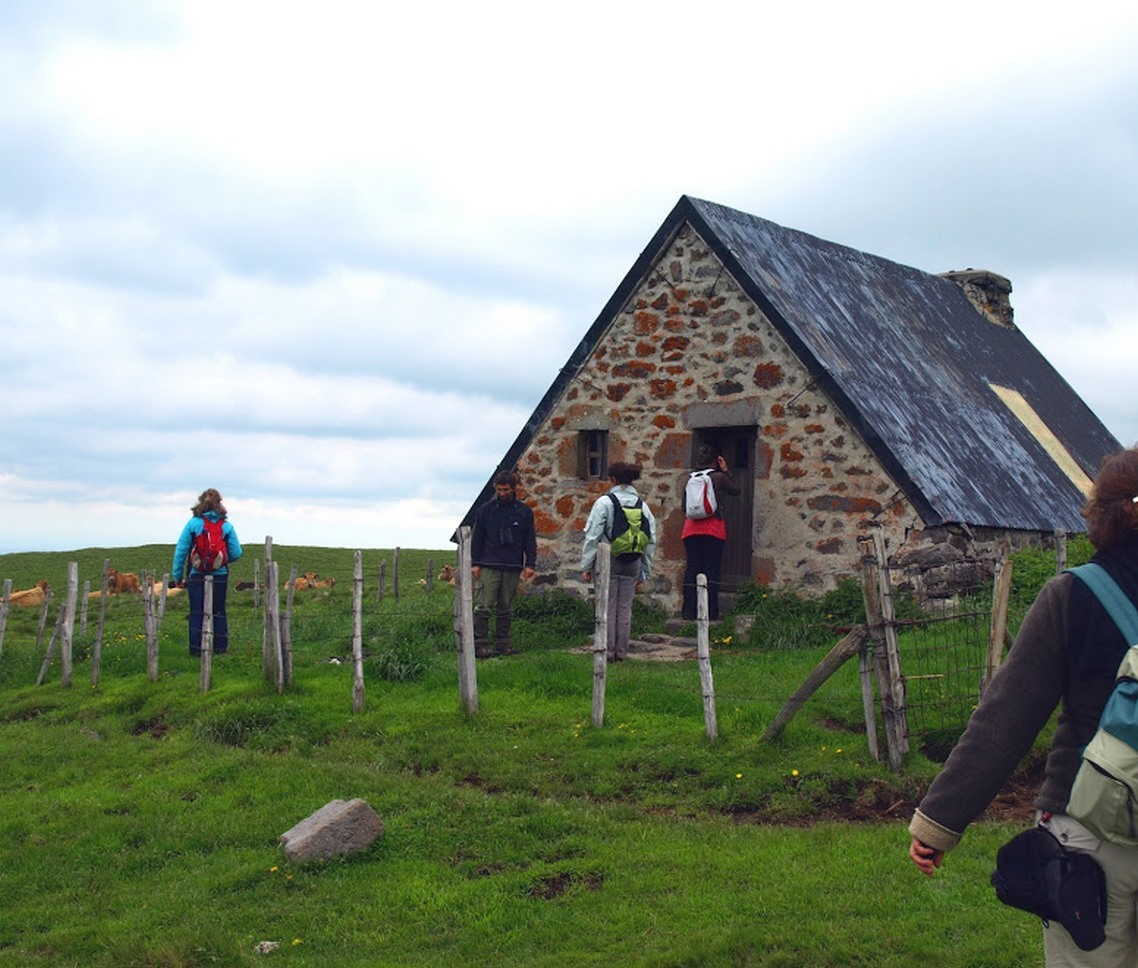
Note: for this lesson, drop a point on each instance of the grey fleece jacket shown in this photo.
(1068, 651)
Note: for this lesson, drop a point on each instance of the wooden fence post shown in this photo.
(4, 611)
(703, 648)
(853, 644)
(430, 574)
(83, 600)
(381, 582)
(97, 648)
(286, 628)
(464, 625)
(48, 595)
(603, 568)
(888, 684)
(205, 681)
(50, 653)
(998, 628)
(256, 583)
(357, 634)
(66, 650)
(270, 618)
(395, 574)
(148, 625)
(1060, 551)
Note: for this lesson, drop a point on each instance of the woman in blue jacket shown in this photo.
(209, 520)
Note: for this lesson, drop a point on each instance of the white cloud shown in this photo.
(349, 246)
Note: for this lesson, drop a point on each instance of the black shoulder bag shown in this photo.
(1036, 873)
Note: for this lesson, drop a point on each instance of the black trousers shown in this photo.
(705, 557)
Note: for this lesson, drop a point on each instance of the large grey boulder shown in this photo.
(338, 827)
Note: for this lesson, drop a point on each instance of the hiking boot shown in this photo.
(483, 654)
(505, 650)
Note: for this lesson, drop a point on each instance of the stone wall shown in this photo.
(690, 350)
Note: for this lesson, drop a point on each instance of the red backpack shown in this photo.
(209, 551)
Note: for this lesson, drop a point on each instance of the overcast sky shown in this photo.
(328, 256)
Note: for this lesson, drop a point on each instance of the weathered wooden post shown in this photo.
(4, 611)
(381, 582)
(395, 574)
(148, 626)
(83, 600)
(464, 625)
(66, 650)
(880, 624)
(270, 618)
(852, 644)
(50, 653)
(48, 595)
(430, 574)
(357, 634)
(601, 629)
(998, 628)
(206, 680)
(273, 603)
(1060, 551)
(286, 628)
(703, 648)
(97, 648)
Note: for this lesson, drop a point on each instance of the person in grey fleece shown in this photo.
(1066, 654)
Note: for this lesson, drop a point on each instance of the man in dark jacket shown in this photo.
(503, 548)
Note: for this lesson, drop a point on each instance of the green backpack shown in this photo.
(1104, 796)
(631, 531)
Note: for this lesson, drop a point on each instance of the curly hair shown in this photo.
(1111, 511)
(210, 500)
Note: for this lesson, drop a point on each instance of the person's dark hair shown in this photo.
(506, 477)
(1110, 511)
(624, 473)
(705, 455)
(210, 500)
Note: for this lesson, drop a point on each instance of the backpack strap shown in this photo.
(1113, 598)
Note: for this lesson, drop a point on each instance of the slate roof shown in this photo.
(907, 359)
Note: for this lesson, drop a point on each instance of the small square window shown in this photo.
(593, 454)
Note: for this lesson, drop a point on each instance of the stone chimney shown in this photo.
(988, 292)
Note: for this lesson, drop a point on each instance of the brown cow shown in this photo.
(447, 574)
(322, 583)
(122, 582)
(303, 581)
(30, 597)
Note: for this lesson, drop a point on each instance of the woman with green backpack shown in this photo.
(621, 518)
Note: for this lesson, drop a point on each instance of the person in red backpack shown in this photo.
(206, 546)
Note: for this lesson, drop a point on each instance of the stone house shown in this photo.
(847, 392)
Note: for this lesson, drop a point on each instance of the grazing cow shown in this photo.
(122, 582)
(30, 597)
(447, 574)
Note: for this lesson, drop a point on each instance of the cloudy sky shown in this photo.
(327, 256)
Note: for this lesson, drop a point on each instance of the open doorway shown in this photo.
(737, 445)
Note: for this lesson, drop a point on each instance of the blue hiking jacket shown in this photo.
(193, 528)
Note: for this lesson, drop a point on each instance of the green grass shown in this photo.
(139, 820)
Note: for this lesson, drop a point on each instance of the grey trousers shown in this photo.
(1120, 950)
(623, 577)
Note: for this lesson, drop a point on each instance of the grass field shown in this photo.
(139, 820)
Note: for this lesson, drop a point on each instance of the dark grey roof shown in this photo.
(908, 360)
